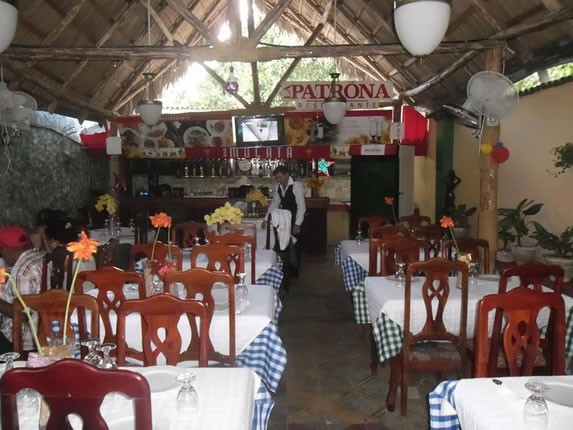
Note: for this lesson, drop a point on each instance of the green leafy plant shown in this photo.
(563, 157)
(461, 215)
(514, 223)
(561, 246)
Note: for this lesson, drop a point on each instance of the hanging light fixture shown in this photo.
(149, 109)
(8, 21)
(334, 106)
(232, 85)
(421, 24)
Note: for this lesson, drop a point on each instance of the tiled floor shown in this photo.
(327, 383)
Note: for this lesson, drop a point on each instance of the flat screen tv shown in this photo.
(259, 130)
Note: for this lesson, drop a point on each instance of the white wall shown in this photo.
(542, 121)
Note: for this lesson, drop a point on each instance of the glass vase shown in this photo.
(112, 226)
(153, 284)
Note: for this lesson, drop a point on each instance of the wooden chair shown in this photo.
(162, 313)
(106, 255)
(434, 348)
(521, 336)
(241, 240)
(51, 306)
(367, 223)
(187, 234)
(387, 231)
(472, 246)
(247, 228)
(432, 234)
(223, 258)
(533, 274)
(110, 282)
(199, 282)
(415, 220)
(62, 267)
(162, 252)
(385, 253)
(75, 387)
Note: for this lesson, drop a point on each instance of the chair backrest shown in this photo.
(242, 228)
(387, 231)
(241, 240)
(51, 306)
(436, 287)
(162, 253)
(160, 335)
(223, 258)
(186, 235)
(520, 337)
(432, 234)
(406, 250)
(198, 284)
(533, 274)
(375, 249)
(75, 387)
(415, 220)
(62, 267)
(141, 224)
(472, 246)
(107, 253)
(367, 223)
(110, 282)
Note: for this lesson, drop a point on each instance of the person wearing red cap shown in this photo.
(26, 271)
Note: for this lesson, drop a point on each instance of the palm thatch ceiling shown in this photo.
(86, 58)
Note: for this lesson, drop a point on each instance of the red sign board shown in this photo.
(307, 152)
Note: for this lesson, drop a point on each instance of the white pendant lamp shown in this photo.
(149, 109)
(334, 106)
(8, 21)
(421, 24)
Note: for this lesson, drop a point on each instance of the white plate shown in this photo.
(492, 278)
(196, 137)
(160, 379)
(560, 391)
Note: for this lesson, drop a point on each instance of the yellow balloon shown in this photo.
(486, 148)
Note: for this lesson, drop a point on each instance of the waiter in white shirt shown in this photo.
(289, 195)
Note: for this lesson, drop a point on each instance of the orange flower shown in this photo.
(160, 219)
(389, 200)
(447, 222)
(3, 275)
(84, 249)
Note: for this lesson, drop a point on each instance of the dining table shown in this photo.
(125, 235)
(491, 404)
(228, 398)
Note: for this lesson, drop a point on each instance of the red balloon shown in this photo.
(500, 154)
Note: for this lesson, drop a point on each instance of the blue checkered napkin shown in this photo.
(263, 406)
(442, 407)
(337, 254)
(266, 356)
(352, 273)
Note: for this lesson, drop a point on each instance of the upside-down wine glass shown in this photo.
(107, 362)
(400, 275)
(535, 410)
(359, 237)
(92, 356)
(8, 358)
(187, 398)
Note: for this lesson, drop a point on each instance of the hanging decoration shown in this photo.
(500, 153)
(232, 85)
(334, 106)
(8, 23)
(486, 148)
(323, 166)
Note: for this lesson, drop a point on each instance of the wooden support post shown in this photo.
(487, 227)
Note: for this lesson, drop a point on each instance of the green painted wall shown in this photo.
(444, 161)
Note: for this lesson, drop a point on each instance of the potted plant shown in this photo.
(563, 157)
(460, 216)
(515, 224)
(560, 247)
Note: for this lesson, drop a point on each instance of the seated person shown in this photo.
(44, 218)
(25, 266)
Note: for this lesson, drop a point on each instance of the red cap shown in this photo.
(13, 236)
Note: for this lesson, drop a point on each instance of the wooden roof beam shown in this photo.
(268, 21)
(254, 68)
(197, 23)
(155, 16)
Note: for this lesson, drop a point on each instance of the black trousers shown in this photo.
(5, 344)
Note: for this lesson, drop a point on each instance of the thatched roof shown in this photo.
(85, 58)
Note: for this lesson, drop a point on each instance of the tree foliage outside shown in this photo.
(555, 73)
(199, 91)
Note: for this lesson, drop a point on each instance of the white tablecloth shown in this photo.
(386, 296)
(125, 235)
(248, 324)
(482, 405)
(359, 253)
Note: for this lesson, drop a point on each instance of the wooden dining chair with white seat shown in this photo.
(433, 347)
(514, 348)
(241, 240)
(160, 337)
(223, 258)
(198, 283)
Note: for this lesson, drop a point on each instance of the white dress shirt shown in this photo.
(298, 191)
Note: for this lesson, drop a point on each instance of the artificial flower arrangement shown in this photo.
(226, 213)
(162, 220)
(107, 202)
(256, 195)
(447, 222)
(390, 202)
(82, 250)
(316, 182)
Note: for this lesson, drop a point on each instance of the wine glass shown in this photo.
(92, 356)
(187, 398)
(359, 237)
(157, 285)
(132, 225)
(535, 410)
(241, 293)
(400, 275)
(28, 402)
(8, 358)
(473, 274)
(107, 362)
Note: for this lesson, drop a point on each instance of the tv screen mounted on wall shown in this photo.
(259, 130)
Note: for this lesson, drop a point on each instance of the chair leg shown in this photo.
(404, 392)
(395, 370)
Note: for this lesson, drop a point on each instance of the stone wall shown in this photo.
(46, 167)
